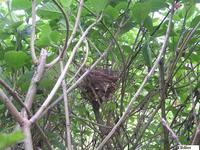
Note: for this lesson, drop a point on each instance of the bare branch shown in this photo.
(128, 108)
(12, 109)
(67, 121)
(58, 83)
(33, 54)
(68, 42)
(36, 78)
(174, 136)
(196, 139)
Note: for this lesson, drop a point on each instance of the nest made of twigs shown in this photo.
(99, 85)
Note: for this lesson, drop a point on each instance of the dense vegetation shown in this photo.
(99, 74)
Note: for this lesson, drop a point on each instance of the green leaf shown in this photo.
(55, 36)
(49, 11)
(127, 27)
(147, 54)
(156, 5)
(21, 4)
(140, 12)
(111, 13)
(7, 140)
(97, 5)
(65, 3)
(15, 25)
(148, 23)
(195, 21)
(16, 59)
(44, 38)
(24, 81)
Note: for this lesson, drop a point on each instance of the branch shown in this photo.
(11, 108)
(78, 81)
(33, 55)
(36, 78)
(13, 93)
(67, 122)
(163, 89)
(196, 139)
(83, 63)
(174, 136)
(62, 76)
(70, 39)
(30, 96)
(67, 28)
(128, 108)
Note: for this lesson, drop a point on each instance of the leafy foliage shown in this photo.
(133, 32)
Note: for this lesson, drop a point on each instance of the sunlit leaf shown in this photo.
(7, 140)
(16, 59)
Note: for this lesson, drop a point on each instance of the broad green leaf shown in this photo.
(156, 5)
(16, 59)
(127, 27)
(147, 54)
(148, 23)
(49, 11)
(195, 21)
(195, 57)
(97, 5)
(21, 4)
(7, 140)
(111, 13)
(55, 37)
(65, 3)
(121, 6)
(24, 81)
(15, 25)
(140, 12)
(44, 38)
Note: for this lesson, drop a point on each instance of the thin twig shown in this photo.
(67, 120)
(174, 136)
(12, 109)
(33, 54)
(70, 38)
(62, 76)
(128, 108)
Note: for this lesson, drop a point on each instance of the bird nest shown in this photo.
(99, 85)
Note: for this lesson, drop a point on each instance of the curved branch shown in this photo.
(62, 76)
(128, 108)
(12, 109)
(68, 42)
(33, 54)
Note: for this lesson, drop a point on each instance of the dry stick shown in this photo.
(84, 62)
(162, 99)
(86, 120)
(12, 109)
(67, 121)
(174, 62)
(145, 127)
(33, 55)
(196, 139)
(35, 79)
(128, 108)
(62, 76)
(30, 97)
(24, 123)
(71, 37)
(76, 22)
(78, 81)
(67, 27)
(15, 95)
(174, 136)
